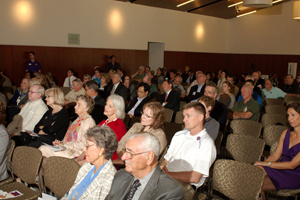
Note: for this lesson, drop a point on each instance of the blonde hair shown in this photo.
(58, 96)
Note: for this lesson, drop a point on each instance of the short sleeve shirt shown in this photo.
(274, 93)
(33, 66)
(251, 106)
(191, 153)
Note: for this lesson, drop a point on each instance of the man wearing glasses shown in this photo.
(197, 90)
(142, 178)
(30, 114)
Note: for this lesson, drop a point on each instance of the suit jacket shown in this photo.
(173, 100)
(100, 187)
(194, 94)
(137, 111)
(4, 149)
(120, 90)
(219, 113)
(160, 186)
(99, 100)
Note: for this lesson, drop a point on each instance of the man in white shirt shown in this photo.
(70, 78)
(192, 151)
(31, 113)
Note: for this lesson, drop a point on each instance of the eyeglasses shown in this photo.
(140, 92)
(131, 155)
(33, 92)
(142, 113)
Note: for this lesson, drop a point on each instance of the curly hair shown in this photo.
(89, 102)
(103, 137)
(158, 114)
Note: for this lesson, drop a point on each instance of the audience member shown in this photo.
(258, 82)
(131, 89)
(33, 65)
(256, 89)
(219, 112)
(284, 174)
(195, 82)
(180, 161)
(42, 80)
(271, 92)
(103, 90)
(137, 77)
(111, 73)
(290, 87)
(142, 176)
(171, 98)
(71, 97)
(117, 87)
(86, 78)
(211, 125)
(4, 144)
(91, 89)
(159, 78)
(208, 77)
(231, 79)
(185, 75)
(152, 121)
(152, 88)
(5, 85)
(165, 73)
(34, 81)
(177, 86)
(97, 78)
(114, 110)
(147, 69)
(74, 141)
(49, 79)
(226, 96)
(221, 80)
(136, 106)
(70, 78)
(197, 90)
(30, 114)
(247, 109)
(255, 96)
(191, 77)
(3, 99)
(52, 126)
(112, 65)
(29, 75)
(95, 177)
(122, 74)
(172, 75)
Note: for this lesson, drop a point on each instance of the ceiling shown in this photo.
(214, 8)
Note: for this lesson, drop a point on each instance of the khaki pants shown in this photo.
(189, 192)
(15, 127)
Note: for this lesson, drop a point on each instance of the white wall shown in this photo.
(269, 31)
(156, 55)
(108, 24)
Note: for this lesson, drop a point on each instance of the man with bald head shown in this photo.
(142, 178)
(31, 113)
(153, 88)
(247, 109)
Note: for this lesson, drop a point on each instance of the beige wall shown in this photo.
(108, 24)
(269, 31)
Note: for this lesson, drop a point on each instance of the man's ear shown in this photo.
(150, 157)
(209, 109)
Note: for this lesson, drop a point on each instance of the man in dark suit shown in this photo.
(171, 98)
(117, 87)
(142, 178)
(197, 90)
(136, 106)
(91, 89)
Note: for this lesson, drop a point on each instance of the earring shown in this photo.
(100, 154)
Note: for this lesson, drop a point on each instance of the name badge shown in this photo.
(194, 93)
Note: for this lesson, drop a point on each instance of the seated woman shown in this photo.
(49, 79)
(211, 125)
(42, 80)
(74, 140)
(95, 177)
(131, 94)
(104, 79)
(4, 144)
(286, 173)
(19, 99)
(54, 123)
(152, 121)
(226, 96)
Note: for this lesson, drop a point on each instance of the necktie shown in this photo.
(132, 190)
(166, 95)
(70, 82)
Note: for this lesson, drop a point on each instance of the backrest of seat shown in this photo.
(169, 114)
(286, 99)
(273, 119)
(9, 155)
(245, 148)
(246, 127)
(275, 109)
(237, 180)
(272, 133)
(134, 120)
(182, 103)
(273, 102)
(60, 174)
(26, 163)
(179, 117)
(170, 130)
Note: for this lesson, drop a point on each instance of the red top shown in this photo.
(119, 128)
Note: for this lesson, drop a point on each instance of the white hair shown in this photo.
(148, 143)
(119, 104)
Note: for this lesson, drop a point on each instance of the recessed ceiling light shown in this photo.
(185, 3)
(248, 13)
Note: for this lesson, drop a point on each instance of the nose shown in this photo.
(125, 157)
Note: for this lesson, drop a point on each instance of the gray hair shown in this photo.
(103, 137)
(212, 84)
(78, 81)
(34, 81)
(87, 76)
(180, 78)
(40, 89)
(142, 67)
(119, 75)
(250, 88)
(148, 143)
(27, 79)
(249, 76)
(119, 104)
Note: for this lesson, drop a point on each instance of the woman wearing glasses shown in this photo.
(96, 175)
(152, 121)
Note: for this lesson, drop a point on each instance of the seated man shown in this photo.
(191, 77)
(258, 82)
(177, 86)
(137, 77)
(30, 114)
(153, 88)
(70, 98)
(136, 106)
(170, 99)
(290, 87)
(255, 96)
(70, 78)
(197, 90)
(142, 178)
(117, 87)
(231, 79)
(5, 86)
(192, 151)
(247, 109)
(91, 89)
(271, 92)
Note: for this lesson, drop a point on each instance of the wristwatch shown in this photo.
(269, 164)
